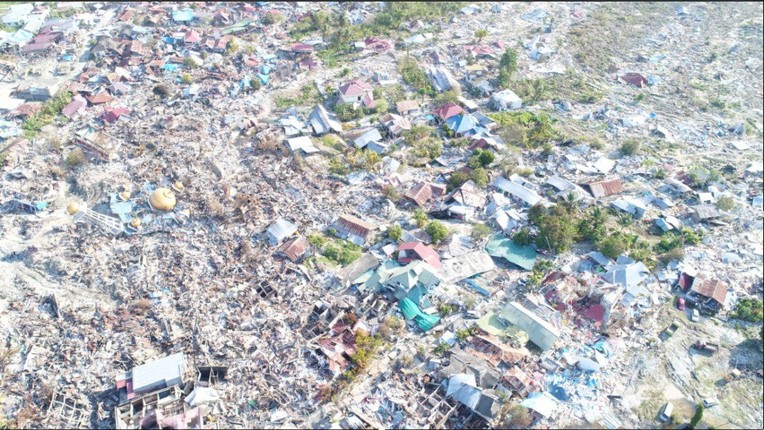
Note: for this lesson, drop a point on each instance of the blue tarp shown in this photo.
(170, 67)
(168, 39)
(522, 256)
(265, 69)
(411, 310)
(264, 79)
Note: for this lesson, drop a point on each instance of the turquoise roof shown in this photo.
(523, 256)
(411, 310)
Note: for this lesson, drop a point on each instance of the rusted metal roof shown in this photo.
(419, 194)
(711, 288)
(353, 225)
(605, 188)
(295, 248)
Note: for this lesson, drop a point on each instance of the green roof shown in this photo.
(411, 310)
(523, 256)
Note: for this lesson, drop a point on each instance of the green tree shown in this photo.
(449, 96)
(437, 231)
(479, 176)
(507, 67)
(480, 34)
(697, 417)
(536, 213)
(523, 237)
(556, 233)
(420, 217)
(480, 231)
(255, 84)
(457, 179)
(391, 192)
(394, 232)
(381, 106)
(591, 227)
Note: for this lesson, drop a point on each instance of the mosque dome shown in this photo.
(72, 208)
(162, 199)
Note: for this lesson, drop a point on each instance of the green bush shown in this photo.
(749, 309)
(457, 179)
(413, 75)
(630, 147)
(75, 158)
(420, 218)
(697, 417)
(614, 246)
(525, 128)
(394, 232)
(437, 231)
(391, 193)
(725, 203)
(480, 231)
(523, 237)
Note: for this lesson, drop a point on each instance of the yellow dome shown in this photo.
(178, 186)
(124, 195)
(162, 199)
(72, 208)
(135, 222)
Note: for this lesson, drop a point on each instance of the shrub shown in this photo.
(391, 193)
(75, 158)
(437, 231)
(614, 246)
(630, 147)
(394, 232)
(381, 106)
(450, 96)
(441, 348)
(725, 203)
(186, 78)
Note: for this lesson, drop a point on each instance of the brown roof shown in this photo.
(102, 97)
(406, 105)
(351, 224)
(605, 188)
(295, 248)
(419, 194)
(711, 288)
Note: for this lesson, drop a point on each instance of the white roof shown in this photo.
(301, 143)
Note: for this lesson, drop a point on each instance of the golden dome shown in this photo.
(178, 186)
(72, 208)
(162, 199)
(135, 222)
(124, 195)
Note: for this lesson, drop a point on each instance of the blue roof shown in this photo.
(523, 256)
(461, 123)
(170, 67)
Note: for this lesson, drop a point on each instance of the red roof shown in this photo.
(36, 47)
(711, 288)
(77, 104)
(356, 87)
(113, 115)
(353, 225)
(420, 193)
(419, 251)
(100, 98)
(448, 110)
(191, 36)
(295, 248)
(300, 47)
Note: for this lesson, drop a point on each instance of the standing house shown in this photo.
(411, 251)
(510, 188)
(506, 100)
(357, 92)
(447, 111)
(604, 188)
(323, 121)
(353, 229)
(709, 294)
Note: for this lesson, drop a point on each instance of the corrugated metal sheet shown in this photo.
(605, 188)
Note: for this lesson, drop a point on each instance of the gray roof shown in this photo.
(160, 373)
(539, 331)
(371, 135)
(323, 121)
(280, 230)
(528, 196)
